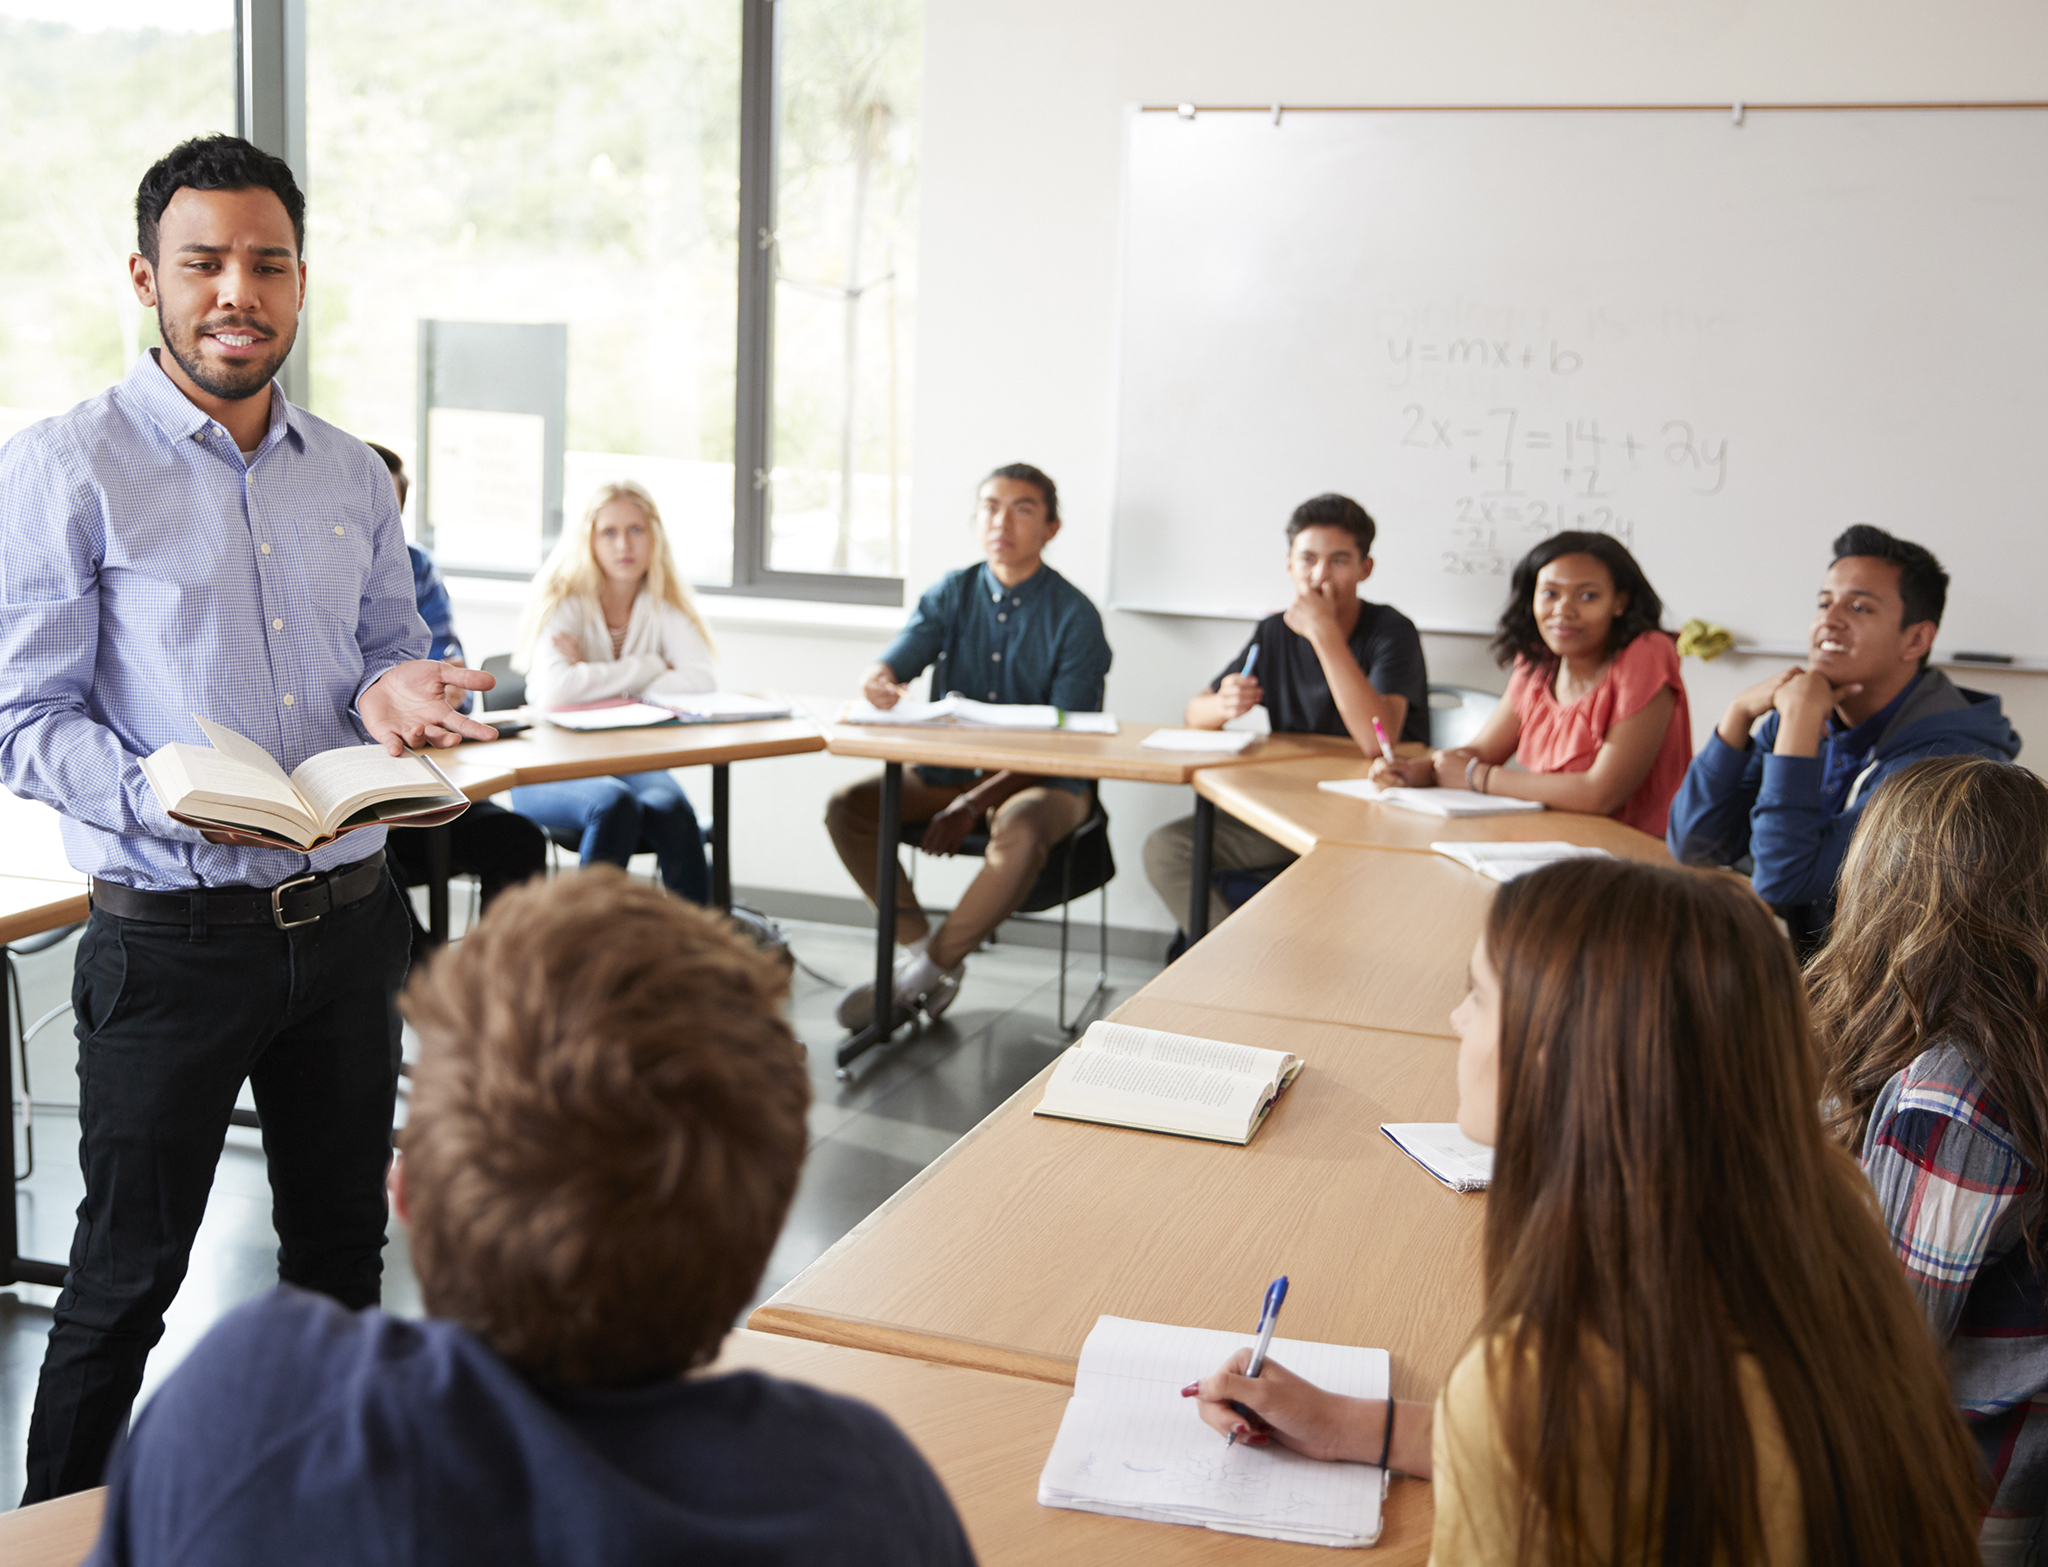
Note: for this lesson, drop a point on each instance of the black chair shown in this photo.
(510, 691)
(1077, 865)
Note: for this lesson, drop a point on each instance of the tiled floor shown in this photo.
(868, 1138)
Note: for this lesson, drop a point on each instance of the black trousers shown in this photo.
(500, 848)
(171, 1019)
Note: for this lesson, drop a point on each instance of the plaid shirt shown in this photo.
(1959, 1199)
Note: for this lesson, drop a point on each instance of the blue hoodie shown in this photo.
(1771, 807)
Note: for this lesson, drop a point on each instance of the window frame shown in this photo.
(270, 65)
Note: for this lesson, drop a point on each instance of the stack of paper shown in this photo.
(1432, 802)
(618, 713)
(961, 711)
(1130, 1445)
(1447, 1153)
(1506, 861)
(1219, 740)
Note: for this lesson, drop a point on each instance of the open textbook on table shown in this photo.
(234, 783)
(1130, 1445)
(1153, 1081)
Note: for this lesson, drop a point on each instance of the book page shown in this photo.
(1130, 1444)
(334, 784)
(200, 780)
(240, 748)
(1215, 1055)
(1155, 1096)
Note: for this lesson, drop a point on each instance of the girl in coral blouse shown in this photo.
(1595, 711)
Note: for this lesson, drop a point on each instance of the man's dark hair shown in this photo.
(1024, 473)
(396, 466)
(214, 163)
(1334, 511)
(1923, 585)
(1518, 635)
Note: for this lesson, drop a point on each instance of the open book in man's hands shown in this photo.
(235, 784)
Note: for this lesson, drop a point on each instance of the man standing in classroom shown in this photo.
(190, 543)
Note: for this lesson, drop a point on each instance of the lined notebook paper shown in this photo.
(1432, 802)
(1130, 1445)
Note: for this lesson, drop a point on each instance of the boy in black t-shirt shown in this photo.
(1330, 664)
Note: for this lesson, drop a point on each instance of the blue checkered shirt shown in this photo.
(146, 574)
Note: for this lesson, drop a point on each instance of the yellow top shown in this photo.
(1478, 1502)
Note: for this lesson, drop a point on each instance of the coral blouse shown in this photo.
(1565, 737)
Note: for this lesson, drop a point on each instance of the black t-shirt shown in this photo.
(1385, 643)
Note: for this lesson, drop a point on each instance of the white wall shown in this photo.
(1017, 314)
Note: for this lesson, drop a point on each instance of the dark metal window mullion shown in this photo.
(753, 421)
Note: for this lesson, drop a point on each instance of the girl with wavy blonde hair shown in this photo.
(611, 617)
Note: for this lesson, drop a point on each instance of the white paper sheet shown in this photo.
(1447, 1153)
(1432, 802)
(1506, 861)
(1228, 742)
(1129, 1444)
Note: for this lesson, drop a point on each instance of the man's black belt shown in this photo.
(299, 901)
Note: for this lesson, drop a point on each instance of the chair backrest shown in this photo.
(1457, 713)
(510, 691)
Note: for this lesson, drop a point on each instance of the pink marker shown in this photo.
(1380, 735)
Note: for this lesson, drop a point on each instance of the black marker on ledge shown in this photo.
(1983, 658)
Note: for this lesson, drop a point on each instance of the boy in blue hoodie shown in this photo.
(606, 1129)
(1864, 705)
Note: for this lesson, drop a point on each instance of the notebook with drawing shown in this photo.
(1130, 1445)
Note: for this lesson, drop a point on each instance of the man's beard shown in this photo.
(231, 382)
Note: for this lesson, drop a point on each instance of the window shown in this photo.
(542, 162)
(96, 91)
(844, 254)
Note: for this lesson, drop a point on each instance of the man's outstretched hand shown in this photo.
(413, 706)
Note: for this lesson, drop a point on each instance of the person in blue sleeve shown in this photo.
(591, 1193)
(1008, 630)
(500, 848)
(1864, 705)
(188, 542)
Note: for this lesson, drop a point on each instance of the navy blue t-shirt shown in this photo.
(299, 1432)
(1298, 697)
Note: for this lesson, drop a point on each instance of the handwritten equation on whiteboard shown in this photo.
(1514, 474)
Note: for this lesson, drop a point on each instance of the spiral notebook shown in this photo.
(1131, 1446)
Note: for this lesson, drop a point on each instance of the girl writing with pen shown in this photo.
(1695, 1348)
(1595, 711)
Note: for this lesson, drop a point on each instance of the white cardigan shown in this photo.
(663, 653)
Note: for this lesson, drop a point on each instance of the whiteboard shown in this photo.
(1721, 342)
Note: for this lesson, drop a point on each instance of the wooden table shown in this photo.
(1003, 1252)
(1047, 753)
(52, 1534)
(1282, 800)
(987, 1437)
(546, 754)
(1371, 938)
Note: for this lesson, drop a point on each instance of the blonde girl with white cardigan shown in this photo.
(612, 617)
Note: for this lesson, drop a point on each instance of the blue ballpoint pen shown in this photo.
(1250, 659)
(1276, 1292)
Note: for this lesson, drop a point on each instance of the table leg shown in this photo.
(721, 835)
(438, 841)
(1198, 885)
(14, 1267)
(884, 1023)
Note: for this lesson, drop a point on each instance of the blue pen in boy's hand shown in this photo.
(1250, 659)
(1276, 1292)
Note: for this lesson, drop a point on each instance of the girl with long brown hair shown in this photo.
(1696, 1350)
(1931, 1004)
